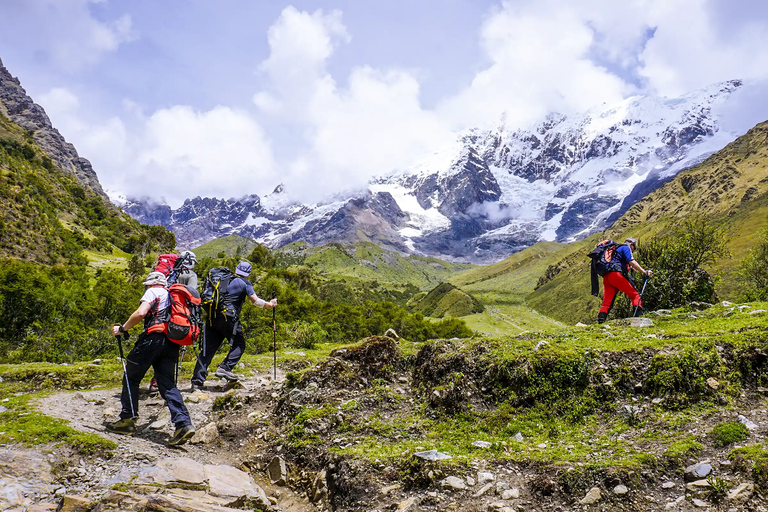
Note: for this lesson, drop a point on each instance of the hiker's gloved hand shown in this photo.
(649, 273)
(272, 303)
(117, 329)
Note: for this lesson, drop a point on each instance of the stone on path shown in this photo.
(207, 434)
(484, 477)
(699, 503)
(75, 504)
(697, 471)
(620, 489)
(482, 444)
(432, 455)
(667, 485)
(484, 489)
(741, 493)
(406, 505)
(698, 486)
(593, 496)
(277, 471)
(511, 494)
(229, 482)
(453, 482)
(751, 425)
(183, 470)
(640, 322)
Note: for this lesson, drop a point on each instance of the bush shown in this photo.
(728, 433)
(677, 261)
(753, 273)
(306, 335)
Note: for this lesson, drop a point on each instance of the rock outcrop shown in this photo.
(22, 110)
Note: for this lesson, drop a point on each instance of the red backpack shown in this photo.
(186, 319)
(165, 263)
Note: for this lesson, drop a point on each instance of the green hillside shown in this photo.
(365, 261)
(231, 245)
(47, 216)
(503, 287)
(447, 300)
(729, 188)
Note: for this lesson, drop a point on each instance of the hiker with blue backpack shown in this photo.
(613, 261)
(223, 296)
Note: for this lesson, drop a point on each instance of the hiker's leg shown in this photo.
(624, 285)
(165, 371)
(237, 350)
(609, 292)
(137, 362)
(213, 338)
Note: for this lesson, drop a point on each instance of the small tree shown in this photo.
(135, 268)
(677, 261)
(753, 271)
(305, 334)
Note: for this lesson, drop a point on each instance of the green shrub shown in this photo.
(305, 334)
(728, 433)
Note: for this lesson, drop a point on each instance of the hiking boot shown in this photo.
(601, 317)
(153, 389)
(196, 387)
(639, 311)
(123, 426)
(182, 435)
(226, 374)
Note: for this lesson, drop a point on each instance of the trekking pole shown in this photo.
(274, 345)
(125, 369)
(181, 360)
(641, 296)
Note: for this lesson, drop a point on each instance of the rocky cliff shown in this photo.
(22, 110)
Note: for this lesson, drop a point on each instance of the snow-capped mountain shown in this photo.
(492, 192)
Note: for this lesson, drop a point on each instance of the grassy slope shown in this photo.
(565, 399)
(45, 214)
(229, 245)
(503, 286)
(367, 261)
(730, 186)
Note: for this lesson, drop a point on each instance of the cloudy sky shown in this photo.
(180, 98)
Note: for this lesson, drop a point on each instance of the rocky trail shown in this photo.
(143, 472)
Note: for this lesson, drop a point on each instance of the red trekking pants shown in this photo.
(614, 282)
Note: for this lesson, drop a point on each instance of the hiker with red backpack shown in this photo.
(177, 270)
(154, 349)
(612, 261)
(223, 296)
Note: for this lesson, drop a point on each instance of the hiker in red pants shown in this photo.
(615, 272)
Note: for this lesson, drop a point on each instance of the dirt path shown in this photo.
(88, 411)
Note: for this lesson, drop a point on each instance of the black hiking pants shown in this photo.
(213, 336)
(157, 351)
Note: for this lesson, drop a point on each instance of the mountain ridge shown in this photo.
(492, 192)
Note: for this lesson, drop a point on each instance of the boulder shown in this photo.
(207, 434)
(277, 471)
(229, 482)
(453, 482)
(592, 497)
(697, 471)
(743, 492)
(184, 471)
(74, 504)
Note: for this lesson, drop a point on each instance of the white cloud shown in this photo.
(174, 154)
(688, 51)
(372, 126)
(64, 33)
(334, 132)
